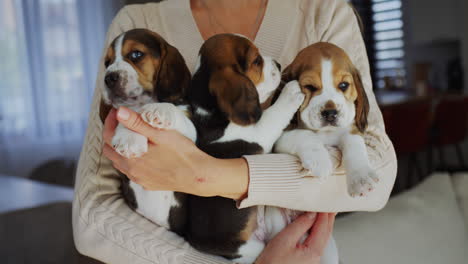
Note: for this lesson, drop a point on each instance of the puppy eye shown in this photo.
(343, 86)
(107, 63)
(258, 61)
(136, 55)
(311, 88)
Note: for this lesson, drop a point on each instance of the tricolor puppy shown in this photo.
(231, 82)
(146, 74)
(334, 113)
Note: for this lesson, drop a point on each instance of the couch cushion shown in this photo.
(423, 225)
(460, 184)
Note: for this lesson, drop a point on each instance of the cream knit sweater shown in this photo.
(105, 228)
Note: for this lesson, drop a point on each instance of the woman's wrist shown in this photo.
(233, 176)
(220, 177)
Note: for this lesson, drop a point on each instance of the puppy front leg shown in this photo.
(278, 116)
(361, 177)
(168, 116)
(129, 143)
(309, 148)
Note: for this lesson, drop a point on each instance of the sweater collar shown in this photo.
(271, 36)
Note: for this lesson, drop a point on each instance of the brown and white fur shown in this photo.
(148, 75)
(334, 113)
(231, 82)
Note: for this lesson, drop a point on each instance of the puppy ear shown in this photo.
(287, 74)
(361, 104)
(104, 110)
(173, 80)
(236, 96)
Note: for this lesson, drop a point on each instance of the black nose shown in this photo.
(111, 79)
(330, 115)
(277, 65)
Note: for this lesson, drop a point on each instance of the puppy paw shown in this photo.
(159, 115)
(292, 95)
(130, 144)
(361, 181)
(318, 163)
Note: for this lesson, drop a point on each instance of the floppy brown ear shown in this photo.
(104, 110)
(236, 95)
(287, 74)
(173, 79)
(361, 103)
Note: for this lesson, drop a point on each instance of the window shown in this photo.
(389, 44)
(49, 54)
(384, 36)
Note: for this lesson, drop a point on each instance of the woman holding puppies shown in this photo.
(106, 229)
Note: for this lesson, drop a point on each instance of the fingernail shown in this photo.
(123, 114)
(311, 215)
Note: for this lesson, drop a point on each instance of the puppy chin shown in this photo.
(132, 102)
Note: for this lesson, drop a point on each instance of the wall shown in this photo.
(434, 33)
(434, 20)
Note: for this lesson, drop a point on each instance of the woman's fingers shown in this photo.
(109, 126)
(299, 227)
(132, 120)
(117, 159)
(320, 232)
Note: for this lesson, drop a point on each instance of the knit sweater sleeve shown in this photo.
(104, 227)
(279, 179)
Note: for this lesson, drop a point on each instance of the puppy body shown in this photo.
(334, 113)
(229, 82)
(149, 76)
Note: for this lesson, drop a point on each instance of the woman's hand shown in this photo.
(287, 248)
(173, 162)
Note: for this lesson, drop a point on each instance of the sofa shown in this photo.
(427, 224)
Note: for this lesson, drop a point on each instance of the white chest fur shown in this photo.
(154, 205)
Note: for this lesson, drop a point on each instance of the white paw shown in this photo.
(129, 144)
(159, 115)
(317, 162)
(292, 95)
(361, 181)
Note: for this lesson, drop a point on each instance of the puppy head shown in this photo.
(335, 96)
(141, 67)
(235, 75)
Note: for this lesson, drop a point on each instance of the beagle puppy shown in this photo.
(148, 75)
(333, 113)
(231, 82)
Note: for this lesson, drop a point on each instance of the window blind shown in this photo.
(388, 42)
(384, 37)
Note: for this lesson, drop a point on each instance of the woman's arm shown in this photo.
(173, 162)
(280, 180)
(104, 227)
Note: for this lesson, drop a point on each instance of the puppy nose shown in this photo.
(330, 115)
(277, 65)
(111, 79)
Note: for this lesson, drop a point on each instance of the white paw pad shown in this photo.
(130, 144)
(159, 115)
(361, 182)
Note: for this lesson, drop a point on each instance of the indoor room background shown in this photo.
(49, 55)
